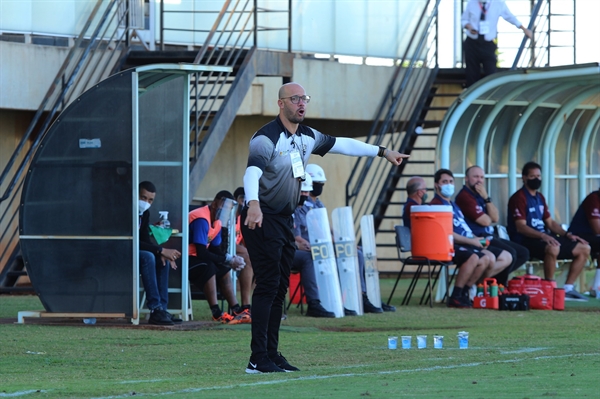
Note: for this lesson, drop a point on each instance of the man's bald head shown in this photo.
(290, 89)
(415, 184)
(471, 170)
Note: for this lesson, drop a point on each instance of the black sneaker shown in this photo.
(264, 365)
(387, 308)
(459, 302)
(315, 309)
(348, 312)
(174, 318)
(160, 317)
(282, 363)
(368, 307)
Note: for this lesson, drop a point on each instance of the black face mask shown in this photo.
(534, 183)
(302, 199)
(317, 189)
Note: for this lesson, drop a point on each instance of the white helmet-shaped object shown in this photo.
(316, 172)
(307, 183)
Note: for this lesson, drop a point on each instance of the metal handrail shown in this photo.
(388, 131)
(225, 44)
(537, 15)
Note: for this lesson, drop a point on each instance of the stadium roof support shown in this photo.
(550, 116)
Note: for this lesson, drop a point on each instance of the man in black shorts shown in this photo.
(530, 224)
(279, 152)
(467, 247)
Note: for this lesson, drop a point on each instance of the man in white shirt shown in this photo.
(480, 20)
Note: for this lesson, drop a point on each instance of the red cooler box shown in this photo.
(431, 231)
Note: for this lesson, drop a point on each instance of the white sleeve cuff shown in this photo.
(251, 178)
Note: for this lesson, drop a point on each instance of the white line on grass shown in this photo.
(522, 350)
(324, 377)
(20, 393)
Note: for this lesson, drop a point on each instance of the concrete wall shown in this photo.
(26, 72)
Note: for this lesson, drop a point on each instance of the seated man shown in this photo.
(530, 224)
(208, 264)
(472, 260)
(154, 262)
(480, 212)
(586, 224)
(416, 188)
(303, 262)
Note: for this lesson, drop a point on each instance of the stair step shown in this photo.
(435, 108)
(446, 95)
(222, 97)
(16, 273)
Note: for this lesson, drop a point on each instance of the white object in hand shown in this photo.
(237, 263)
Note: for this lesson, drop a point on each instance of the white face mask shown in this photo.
(143, 206)
(447, 190)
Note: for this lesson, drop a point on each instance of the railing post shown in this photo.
(290, 26)
(255, 23)
(162, 25)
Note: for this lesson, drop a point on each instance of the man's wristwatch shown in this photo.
(488, 200)
(381, 151)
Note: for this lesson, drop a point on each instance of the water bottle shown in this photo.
(479, 289)
(164, 221)
(494, 289)
(89, 320)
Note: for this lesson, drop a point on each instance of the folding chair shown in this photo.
(403, 244)
(299, 290)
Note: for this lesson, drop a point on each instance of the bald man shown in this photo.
(481, 213)
(417, 195)
(278, 155)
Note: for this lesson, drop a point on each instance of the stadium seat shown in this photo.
(404, 245)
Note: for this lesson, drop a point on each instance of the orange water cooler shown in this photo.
(431, 232)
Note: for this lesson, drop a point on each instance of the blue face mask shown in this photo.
(447, 190)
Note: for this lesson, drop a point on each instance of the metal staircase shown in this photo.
(371, 186)
(378, 188)
(215, 96)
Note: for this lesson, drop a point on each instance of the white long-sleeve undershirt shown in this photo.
(355, 148)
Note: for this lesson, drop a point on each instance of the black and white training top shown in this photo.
(270, 147)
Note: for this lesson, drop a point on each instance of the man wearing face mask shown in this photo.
(530, 224)
(209, 265)
(480, 20)
(416, 188)
(154, 262)
(470, 256)
(480, 213)
(303, 262)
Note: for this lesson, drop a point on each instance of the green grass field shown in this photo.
(511, 355)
